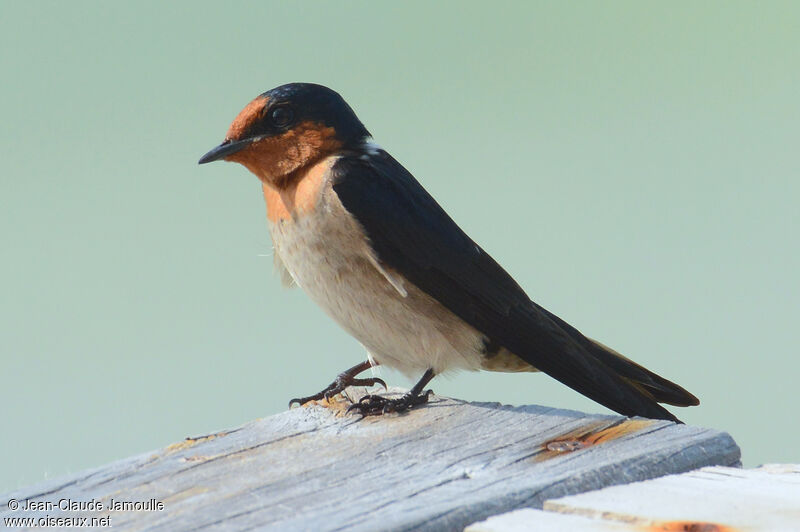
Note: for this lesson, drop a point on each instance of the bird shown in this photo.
(367, 243)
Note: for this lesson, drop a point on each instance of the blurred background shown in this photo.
(634, 166)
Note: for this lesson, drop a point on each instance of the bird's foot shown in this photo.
(343, 380)
(375, 405)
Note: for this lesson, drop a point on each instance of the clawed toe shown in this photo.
(372, 405)
(376, 405)
(372, 381)
(300, 401)
(343, 380)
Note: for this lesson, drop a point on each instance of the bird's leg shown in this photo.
(375, 405)
(342, 381)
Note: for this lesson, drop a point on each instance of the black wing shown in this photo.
(411, 233)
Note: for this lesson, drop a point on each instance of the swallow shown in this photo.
(361, 236)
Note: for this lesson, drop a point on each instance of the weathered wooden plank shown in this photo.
(529, 520)
(712, 499)
(439, 467)
(767, 498)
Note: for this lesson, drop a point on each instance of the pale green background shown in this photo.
(633, 165)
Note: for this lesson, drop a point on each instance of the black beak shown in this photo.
(223, 150)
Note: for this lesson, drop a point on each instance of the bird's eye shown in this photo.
(281, 116)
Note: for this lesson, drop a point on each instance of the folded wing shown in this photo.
(412, 234)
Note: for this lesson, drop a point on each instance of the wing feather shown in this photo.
(413, 235)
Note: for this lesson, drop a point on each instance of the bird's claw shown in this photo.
(376, 405)
(342, 381)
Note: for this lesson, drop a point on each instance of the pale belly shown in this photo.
(327, 257)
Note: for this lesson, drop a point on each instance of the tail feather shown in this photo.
(656, 386)
(650, 384)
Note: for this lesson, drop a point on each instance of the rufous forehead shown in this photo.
(246, 117)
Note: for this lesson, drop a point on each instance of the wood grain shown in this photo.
(439, 467)
(712, 499)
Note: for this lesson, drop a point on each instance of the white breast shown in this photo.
(327, 255)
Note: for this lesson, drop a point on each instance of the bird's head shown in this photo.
(287, 128)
